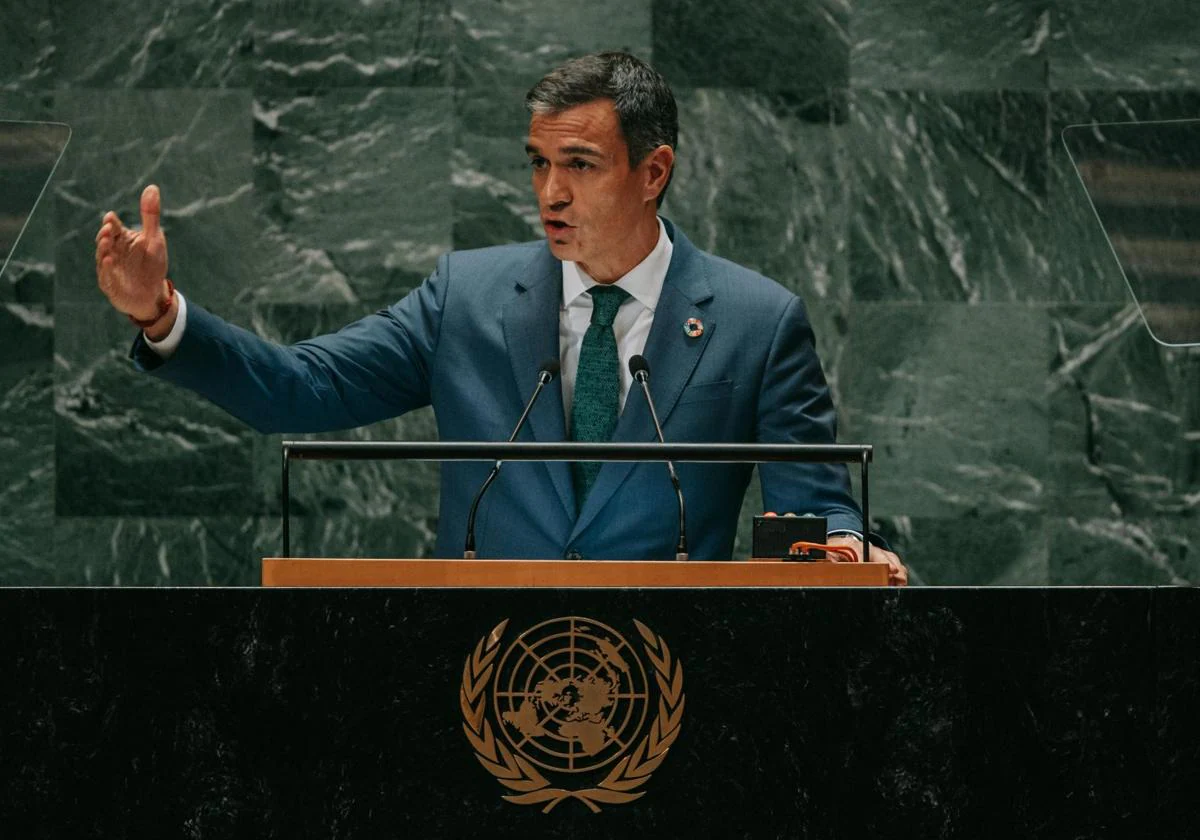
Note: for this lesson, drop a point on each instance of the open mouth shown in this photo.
(554, 224)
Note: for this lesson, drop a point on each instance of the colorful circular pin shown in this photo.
(693, 328)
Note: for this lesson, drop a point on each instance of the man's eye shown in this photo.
(537, 162)
(581, 165)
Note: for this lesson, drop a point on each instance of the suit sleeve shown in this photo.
(372, 369)
(795, 406)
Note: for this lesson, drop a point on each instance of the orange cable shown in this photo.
(805, 547)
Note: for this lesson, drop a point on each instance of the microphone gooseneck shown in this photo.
(546, 374)
(640, 369)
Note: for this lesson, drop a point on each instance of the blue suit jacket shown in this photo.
(470, 341)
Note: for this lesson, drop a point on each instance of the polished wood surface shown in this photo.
(565, 573)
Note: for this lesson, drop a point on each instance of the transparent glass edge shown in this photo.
(42, 193)
(1096, 213)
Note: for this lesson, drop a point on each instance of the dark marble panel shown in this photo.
(127, 443)
(161, 551)
(1124, 45)
(949, 196)
(27, 546)
(951, 397)
(999, 549)
(490, 176)
(26, 442)
(196, 145)
(1115, 551)
(28, 279)
(501, 43)
(934, 714)
(346, 43)
(180, 44)
(352, 195)
(774, 44)
(1083, 267)
(1177, 696)
(349, 508)
(27, 55)
(355, 509)
(947, 45)
(761, 180)
(1124, 418)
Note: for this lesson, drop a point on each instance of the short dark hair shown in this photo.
(645, 106)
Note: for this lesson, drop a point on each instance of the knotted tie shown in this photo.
(597, 401)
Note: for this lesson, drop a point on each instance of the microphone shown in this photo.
(640, 368)
(546, 374)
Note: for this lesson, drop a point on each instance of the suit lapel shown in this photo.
(531, 335)
(672, 357)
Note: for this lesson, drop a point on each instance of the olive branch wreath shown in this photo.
(516, 772)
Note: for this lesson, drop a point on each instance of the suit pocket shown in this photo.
(707, 392)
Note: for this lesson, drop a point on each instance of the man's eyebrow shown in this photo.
(581, 150)
(586, 151)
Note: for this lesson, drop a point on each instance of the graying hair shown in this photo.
(645, 106)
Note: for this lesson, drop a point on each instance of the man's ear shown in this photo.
(658, 164)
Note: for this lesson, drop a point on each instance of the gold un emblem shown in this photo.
(570, 699)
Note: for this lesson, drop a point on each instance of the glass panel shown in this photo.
(1143, 180)
(29, 153)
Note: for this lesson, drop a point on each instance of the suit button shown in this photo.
(574, 554)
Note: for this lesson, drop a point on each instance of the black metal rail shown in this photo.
(726, 453)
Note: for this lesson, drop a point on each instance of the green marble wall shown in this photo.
(896, 162)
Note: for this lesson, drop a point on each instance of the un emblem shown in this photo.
(570, 699)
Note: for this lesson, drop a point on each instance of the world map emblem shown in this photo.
(568, 710)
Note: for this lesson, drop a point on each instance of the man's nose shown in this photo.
(556, 194)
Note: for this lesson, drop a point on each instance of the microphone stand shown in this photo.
(641, 374)
(545, 375)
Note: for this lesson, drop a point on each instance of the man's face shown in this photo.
(591, 202)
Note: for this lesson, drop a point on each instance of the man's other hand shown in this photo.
(897, 574)
(131, 264)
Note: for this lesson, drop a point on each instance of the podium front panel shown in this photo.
(784, 713)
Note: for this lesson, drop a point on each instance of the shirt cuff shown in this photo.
(846, 532)
(168, 345)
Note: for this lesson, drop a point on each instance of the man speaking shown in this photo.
(731, 352)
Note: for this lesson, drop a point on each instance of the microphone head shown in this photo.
(639, 365)
(549, 369)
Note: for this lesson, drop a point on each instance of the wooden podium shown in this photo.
(638, 574)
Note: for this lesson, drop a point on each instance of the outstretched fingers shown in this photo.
(110, 225)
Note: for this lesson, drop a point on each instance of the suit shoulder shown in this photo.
(738, 283)
(495, 260)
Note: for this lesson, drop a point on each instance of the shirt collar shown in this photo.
(644, 281)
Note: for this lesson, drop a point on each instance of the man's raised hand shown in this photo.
(131, 265)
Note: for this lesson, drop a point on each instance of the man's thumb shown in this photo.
(151, 209)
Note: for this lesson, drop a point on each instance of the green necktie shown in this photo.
(597, 401)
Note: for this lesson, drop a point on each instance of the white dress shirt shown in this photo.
(631, 327)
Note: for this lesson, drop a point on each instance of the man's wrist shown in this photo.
(163, 305)
(165, 345)
(160, 327)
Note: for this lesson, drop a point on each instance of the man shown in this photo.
(731, 352)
